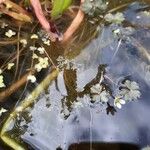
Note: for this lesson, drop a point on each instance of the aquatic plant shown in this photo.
(59, 6)
(98, 93)
(94, 7)
(118, 102)
(35, 52)
(130, 90)
(117, 18)
(2, 110)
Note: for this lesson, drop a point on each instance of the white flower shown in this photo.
(33, 48)
(31, 78)
(10, 33)
(1, 71)
(130, 90)
(41, 50)
(10, 65)
(46, 41)
(34, 36)
(103, 97)
(38, 67)
(1, 82)
(118, 102)
(43, 63)
(35, 56)
(24, 42)
(2, 110)
(117, 18)
(19, 108)
(99, 94)
(117, 31)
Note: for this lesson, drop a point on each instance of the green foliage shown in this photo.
(117, 18)
(26, 3)
(59, 6)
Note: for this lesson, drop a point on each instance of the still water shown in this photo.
(65, 113)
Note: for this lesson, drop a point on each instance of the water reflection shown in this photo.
(91, 122)
(57, 121)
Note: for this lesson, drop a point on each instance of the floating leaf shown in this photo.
(94, 7)
(117, 18)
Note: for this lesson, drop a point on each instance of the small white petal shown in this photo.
(122, 101)
(19, 108)
(2, 82)
(118, 105)
(134, 86)
(10, 33)
(10, 65)
(127, 84)
(104, 96)
(47, 42)
(35, 56)
(38, 67)
(31, 78)
(117, 31)
(24, 42)
(96, 98)
(33, 48)
(41, 50)
(34, 36)
(2, 110)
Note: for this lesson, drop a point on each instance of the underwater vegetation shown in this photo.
(74, 72)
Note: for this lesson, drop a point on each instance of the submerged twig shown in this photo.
(13, 41)
(14, 87)
(17, 53)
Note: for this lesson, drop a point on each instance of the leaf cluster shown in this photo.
(94, 7)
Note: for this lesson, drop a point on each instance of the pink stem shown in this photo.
(39, 14)
(74, 25)
(43, 21)
(1, 1)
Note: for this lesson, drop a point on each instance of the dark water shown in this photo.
(56, 122)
